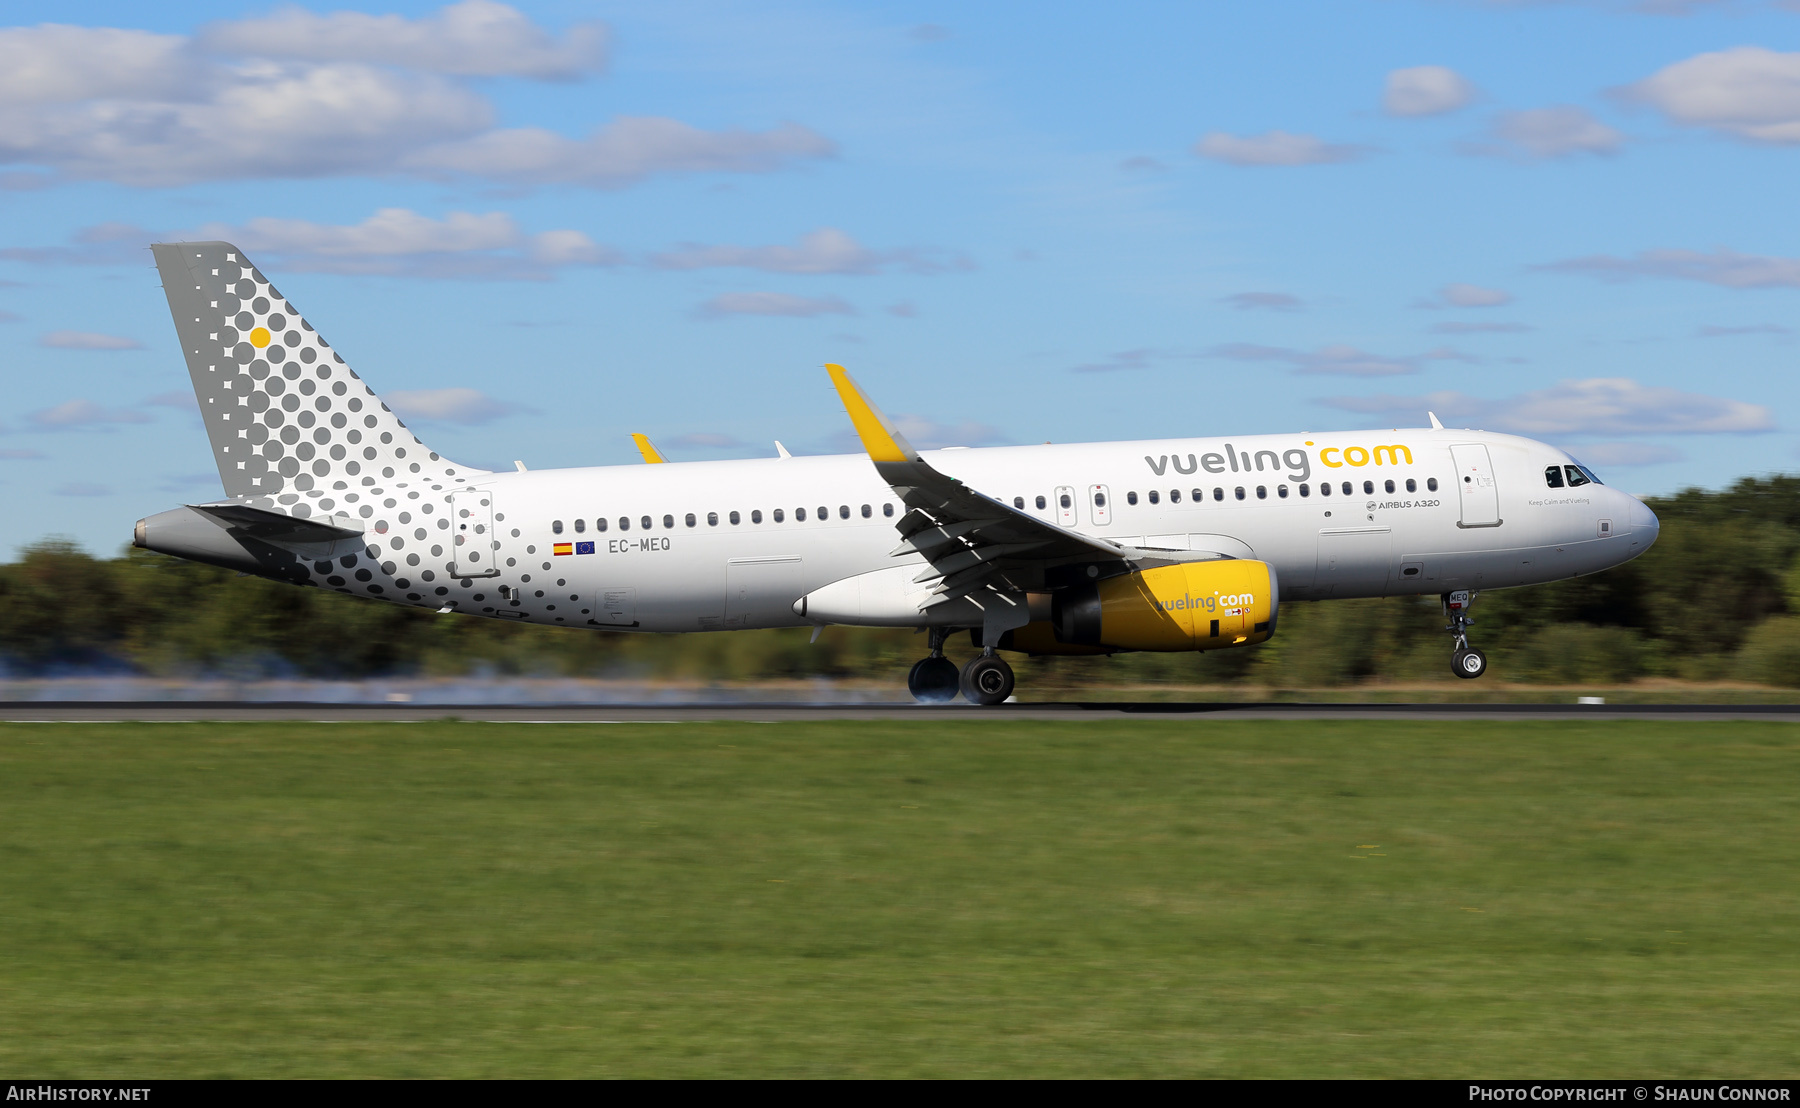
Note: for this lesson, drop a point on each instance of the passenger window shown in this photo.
(1281, 491)
(1153, 496)
(1553, 476)
(712, 519)
(1349, 489)
(1390, 486)
(600, 524)
(1174, 496)
(868, 512)
(756, 515)
(1019, 502)
(1368, 488)
(733, 517)
(581, 527)
(556, 524)
(1305, 489)
(1066, 502)
(1040, 503)
(690, 519)
(1412, 485)
(824, 513)
(1324, 488)
(668, 521)
(1576, 477)
(1130, 498)
(799, 515)
(844, 511)
(887, 510)
(624, 523)
(1262, 492)
(1431, 483)
(1240, 492)
(1218, 493)
(779, 517)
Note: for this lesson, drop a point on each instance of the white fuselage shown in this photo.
(1478, 516)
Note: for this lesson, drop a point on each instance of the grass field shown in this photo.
(1154, 898)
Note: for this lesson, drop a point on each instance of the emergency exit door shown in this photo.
(1475, 485)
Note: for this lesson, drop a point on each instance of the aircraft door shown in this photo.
(1099, 505)
(1065, 505)
(1353, 561)
(1475, 484)
(473, 547)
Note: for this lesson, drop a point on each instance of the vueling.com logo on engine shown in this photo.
(1235, 603)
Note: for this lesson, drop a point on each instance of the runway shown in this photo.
(229, 711)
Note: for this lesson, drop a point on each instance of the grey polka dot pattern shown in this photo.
(294, 430)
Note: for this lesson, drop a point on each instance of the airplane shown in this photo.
(1092, 548)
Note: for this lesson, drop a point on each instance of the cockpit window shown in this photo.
(1576, 477)
(1591, 476)
(1553, 476)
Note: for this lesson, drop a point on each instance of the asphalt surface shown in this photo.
(182, 711)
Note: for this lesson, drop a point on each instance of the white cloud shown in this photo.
(81, 488)
(453, 405)
(774, 303)
(1123, 360)
(149, 110)
(1459, 295)
(74, 415)
(474, 38)
(87, 340)
(827, 250)
(1453, 328)
(1267, 301)
(618, 154)
(1601, 405)
(1715, 332)
(1544, 133)
(1726, 268)
(1750, 92)
(1275, 148)
(1338, 360)
(1624, 453)
(397, 241)
(928, 434)
(1425, 90)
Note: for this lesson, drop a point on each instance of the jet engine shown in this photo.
(1191, 606)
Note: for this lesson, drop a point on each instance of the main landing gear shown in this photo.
(1465, 660)
(987, 679)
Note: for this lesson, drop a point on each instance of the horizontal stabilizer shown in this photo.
(279, 528)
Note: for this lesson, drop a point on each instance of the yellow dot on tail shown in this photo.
(259, 337)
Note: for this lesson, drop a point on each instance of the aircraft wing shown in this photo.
(973, 542)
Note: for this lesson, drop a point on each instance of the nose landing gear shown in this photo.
(933, 680)
(1465, 660)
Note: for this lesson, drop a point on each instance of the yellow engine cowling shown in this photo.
(1193, 606)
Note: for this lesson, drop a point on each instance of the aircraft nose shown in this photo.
(1644, 521)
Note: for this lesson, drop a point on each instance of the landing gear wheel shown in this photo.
(987, 680)
(1468, 663)
(933, 680)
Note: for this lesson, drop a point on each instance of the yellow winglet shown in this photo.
(648, 449)
(879, 437)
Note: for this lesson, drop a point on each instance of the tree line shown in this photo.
(1717, 598)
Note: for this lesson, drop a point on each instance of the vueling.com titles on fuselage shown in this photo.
(1296, 461)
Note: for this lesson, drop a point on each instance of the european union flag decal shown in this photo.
(584, 548)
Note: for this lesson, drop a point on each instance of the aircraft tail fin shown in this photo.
(293, 428)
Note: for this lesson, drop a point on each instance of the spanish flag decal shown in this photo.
(563, 548)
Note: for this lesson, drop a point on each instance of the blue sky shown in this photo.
(537, 228)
